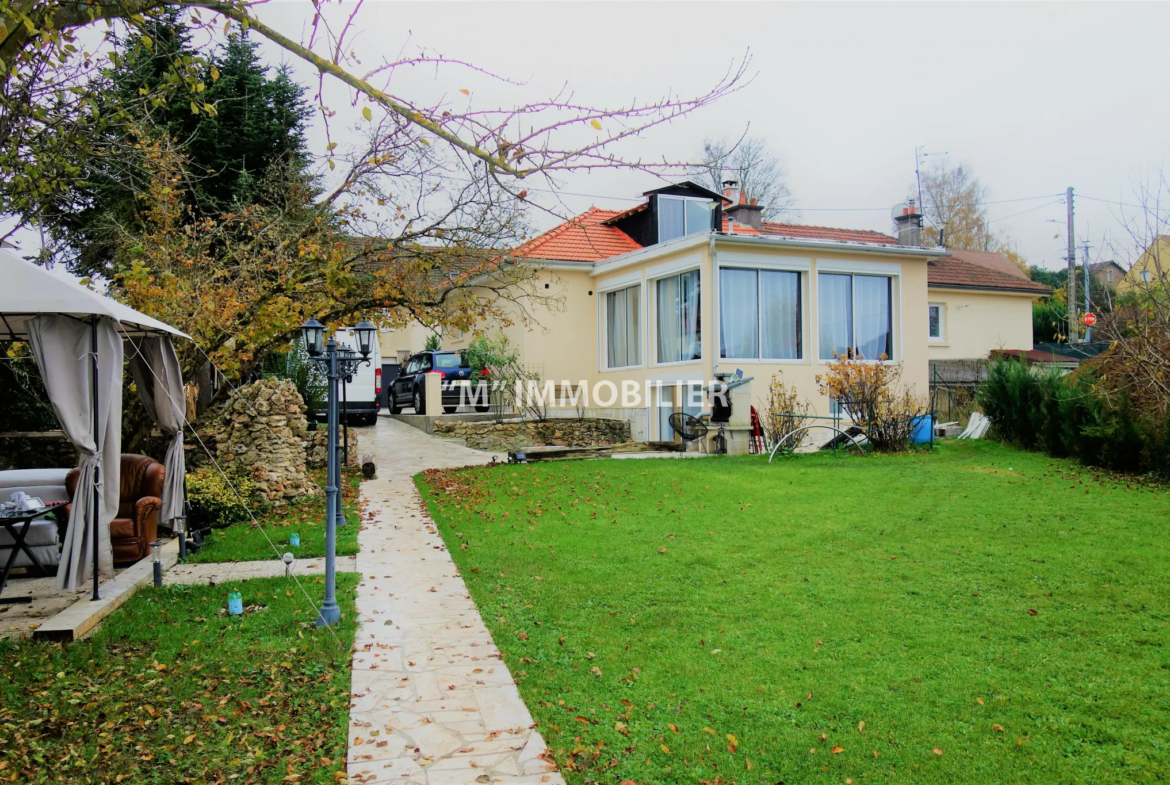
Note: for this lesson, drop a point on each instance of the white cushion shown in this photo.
(41, 538)
(46, 484)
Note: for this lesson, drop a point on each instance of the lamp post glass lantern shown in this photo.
(313, 332)
(338, 363)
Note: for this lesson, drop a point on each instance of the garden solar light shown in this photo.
(287, 558)
(180, 526)
(314, 334)
(156, 553)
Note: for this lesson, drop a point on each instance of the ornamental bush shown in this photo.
(212, 498)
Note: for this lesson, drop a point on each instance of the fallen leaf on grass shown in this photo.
(998, 728)
(861, 727)
(937, 751)
(837, 750)
(673, 728)
(979, 701)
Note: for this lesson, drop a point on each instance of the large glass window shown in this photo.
(759, 314)
(679, 324)
(856, 316)
(678, 217)
(623, 327)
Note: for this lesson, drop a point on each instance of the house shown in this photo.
(659, 298)
(1108, 274)
(1150, 267)
(980, 302)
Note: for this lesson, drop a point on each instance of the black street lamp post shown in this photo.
(337, 363)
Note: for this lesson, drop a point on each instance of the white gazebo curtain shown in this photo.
(63, 347)
(155, 368)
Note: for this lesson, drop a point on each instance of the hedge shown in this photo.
(1067, 416)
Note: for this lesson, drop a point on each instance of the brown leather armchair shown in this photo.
(138, 504)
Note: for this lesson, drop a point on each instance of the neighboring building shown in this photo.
(979, 302)
(1150, 267)
(1108, 274)
(691, 282)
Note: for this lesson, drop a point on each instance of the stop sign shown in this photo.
(1089, 319)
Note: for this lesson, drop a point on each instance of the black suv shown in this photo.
(457, 385)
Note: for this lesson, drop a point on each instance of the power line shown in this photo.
(806, 209)
(1110, 201)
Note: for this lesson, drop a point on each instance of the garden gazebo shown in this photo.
(77, 338)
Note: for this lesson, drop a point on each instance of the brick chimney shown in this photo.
(908, 224)
(746, 213)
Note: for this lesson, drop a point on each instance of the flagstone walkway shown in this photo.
(432, 702)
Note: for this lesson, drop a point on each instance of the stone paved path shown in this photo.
(432, 701)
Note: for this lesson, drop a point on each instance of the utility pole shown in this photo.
(1072, 272)
(1088, 288)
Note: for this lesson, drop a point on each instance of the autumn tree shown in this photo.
(758, 171)
(1138, 364)
(954, 205)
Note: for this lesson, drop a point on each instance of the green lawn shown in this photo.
(169, 691)
(250, 542)
(975, 614)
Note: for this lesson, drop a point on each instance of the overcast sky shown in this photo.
(1034, 98)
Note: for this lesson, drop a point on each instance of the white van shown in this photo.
(363, 393)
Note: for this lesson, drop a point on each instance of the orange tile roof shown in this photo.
(802, 232)
(585, 238)
(951, 271)
(992, 260)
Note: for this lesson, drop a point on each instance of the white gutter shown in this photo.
(767, 241)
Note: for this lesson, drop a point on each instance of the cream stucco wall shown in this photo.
(975, 323)
(909, 315)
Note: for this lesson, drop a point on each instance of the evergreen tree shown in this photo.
(258, 121)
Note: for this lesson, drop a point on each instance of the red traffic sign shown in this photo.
(1089, 319)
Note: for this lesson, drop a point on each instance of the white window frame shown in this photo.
(802, 308)
(686, 232)
(874, 269)
(671, 270)
(942, 323)
(603, 307)
(1145, 276)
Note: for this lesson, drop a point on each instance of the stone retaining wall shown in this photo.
(507, 436)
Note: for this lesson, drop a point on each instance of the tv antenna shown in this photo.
(920, 155)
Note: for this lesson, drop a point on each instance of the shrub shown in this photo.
(1071, 416)
(212, 497)
(867, 391)
(784, 413)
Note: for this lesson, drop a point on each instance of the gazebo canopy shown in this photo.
(29, 291)
(76, 337)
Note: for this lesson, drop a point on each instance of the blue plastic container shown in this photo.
(922, 428)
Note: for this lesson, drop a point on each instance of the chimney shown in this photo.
(908, 224)
(730, 191)
(746, 213)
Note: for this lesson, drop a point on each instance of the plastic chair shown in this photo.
(689, 428)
